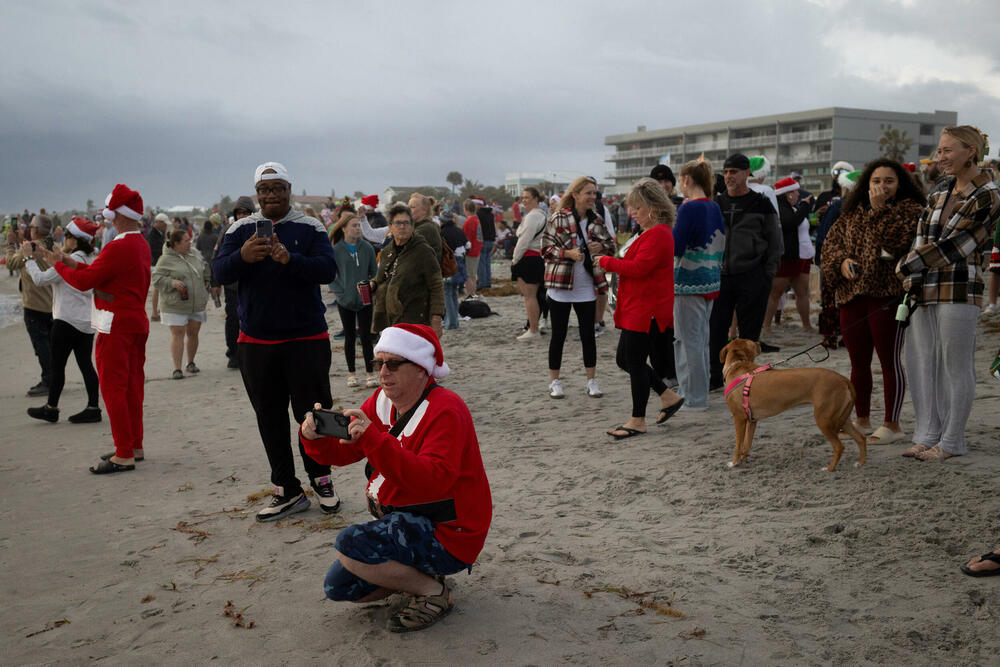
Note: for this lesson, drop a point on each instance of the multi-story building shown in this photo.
(808, 142)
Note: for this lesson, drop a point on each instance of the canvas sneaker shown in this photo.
(529, 335)
(329, 501)
(371, 381)
(352, 381)
(543, 324)
(556, 390)
(283, 505)
(592, 389)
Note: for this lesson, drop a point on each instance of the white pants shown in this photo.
(940, 365)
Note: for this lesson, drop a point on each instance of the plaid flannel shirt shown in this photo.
(948, 258)
(561, 235)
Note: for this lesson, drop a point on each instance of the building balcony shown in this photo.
(811, 135)
(805, 158)
(753, 142)
(632, 154)
(628, 172)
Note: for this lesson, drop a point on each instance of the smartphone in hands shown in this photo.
(332, 423)
(265, 229)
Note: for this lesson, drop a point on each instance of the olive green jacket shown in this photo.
(430, 232)
(191, 270)
(408, 285)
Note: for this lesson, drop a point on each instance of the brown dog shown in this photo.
(774, 391)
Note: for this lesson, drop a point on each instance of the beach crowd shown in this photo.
(906, 254)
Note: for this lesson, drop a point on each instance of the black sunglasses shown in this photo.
(392, 364)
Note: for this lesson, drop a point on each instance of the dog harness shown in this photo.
(746, 380)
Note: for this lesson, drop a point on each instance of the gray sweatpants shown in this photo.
(940, 366)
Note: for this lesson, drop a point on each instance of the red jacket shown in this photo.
(436, 458)
(645, 281)
(120, 272)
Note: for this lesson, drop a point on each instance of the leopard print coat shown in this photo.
(863, 235)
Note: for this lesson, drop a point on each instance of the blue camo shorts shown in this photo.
(398, 536)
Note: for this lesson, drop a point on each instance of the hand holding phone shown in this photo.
(332, 423)
(255, 249)
(265, 229)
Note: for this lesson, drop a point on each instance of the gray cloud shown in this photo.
(182, 100)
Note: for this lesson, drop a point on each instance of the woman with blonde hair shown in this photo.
(699, 243)
(572, 237)
(645, 303)
(943, 277)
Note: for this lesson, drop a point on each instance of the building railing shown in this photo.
(810, 135)
(628, 172)
(634, 153)
(804, 158)
(752, 142)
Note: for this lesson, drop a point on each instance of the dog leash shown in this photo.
(900, 313)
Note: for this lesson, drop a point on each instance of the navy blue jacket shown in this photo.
(279, 301)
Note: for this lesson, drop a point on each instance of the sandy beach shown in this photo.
(647, 551)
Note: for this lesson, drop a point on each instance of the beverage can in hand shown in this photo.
(183, 292)
(365, 290)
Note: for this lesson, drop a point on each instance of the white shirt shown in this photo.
(583, 282)
(68, 303)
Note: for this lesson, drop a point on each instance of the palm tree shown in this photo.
(455, 178)
(894, 144)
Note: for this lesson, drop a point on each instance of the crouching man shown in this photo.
(426, 484)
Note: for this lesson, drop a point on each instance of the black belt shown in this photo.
(438, 511)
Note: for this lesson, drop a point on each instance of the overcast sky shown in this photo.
(182, 100)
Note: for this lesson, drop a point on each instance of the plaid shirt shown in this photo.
(948, 258)
(561, 235)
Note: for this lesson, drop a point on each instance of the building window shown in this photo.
(926, 129)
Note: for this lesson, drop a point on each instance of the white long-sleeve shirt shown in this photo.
(68, 303)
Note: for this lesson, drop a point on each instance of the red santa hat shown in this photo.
(417, 343)
(478, 202)
(910, 167)
(785, 185)
(370, 200)
(82, 228)
(123, 200)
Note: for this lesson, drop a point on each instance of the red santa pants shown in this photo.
(120, 360)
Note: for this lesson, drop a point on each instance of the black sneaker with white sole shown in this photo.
(282, 505)
(329, 501)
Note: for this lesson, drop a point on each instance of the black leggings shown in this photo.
(364, 323)
(559, 319)
(633, 349)
(66, 338)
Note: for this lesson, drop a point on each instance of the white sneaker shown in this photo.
(352, 381)
(556, 390)
(529, 335)
(371, 381)
(543, 324)
(592, 389)
(598, 329)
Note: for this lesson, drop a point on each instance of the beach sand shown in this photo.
(646, 551)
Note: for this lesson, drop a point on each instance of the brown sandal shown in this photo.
(422, 612)
(914, 450)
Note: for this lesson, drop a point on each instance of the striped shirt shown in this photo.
(948, 257)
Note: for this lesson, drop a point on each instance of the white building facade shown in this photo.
(807, 142)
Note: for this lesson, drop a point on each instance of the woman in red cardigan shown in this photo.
(645, 302)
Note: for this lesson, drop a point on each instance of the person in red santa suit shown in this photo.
(427, 486)
(120, 280)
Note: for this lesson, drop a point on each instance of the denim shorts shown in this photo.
(398, 536)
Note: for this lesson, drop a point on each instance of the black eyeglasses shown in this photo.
(273, 190)
(392, 364)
